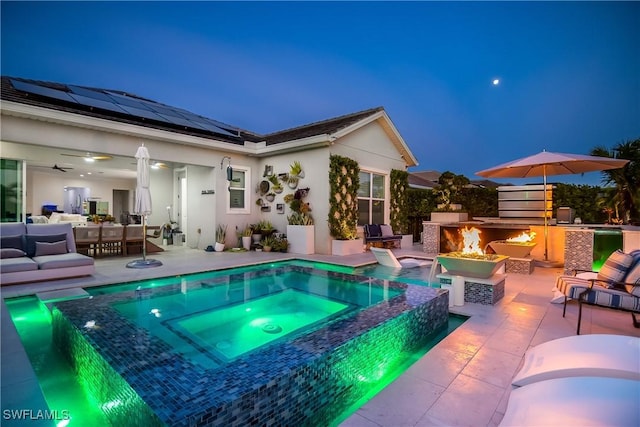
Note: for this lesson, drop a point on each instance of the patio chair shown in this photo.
(615, 286)
(387, 258)
(574, 401)
(598, 355)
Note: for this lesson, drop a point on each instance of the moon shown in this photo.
(496, 82)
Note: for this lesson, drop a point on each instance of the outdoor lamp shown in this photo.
(229, 168)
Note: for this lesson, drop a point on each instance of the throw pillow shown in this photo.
(615, 268)
(49, 238)
(54, 248)
(633, 280)
(386, 230)
(14, 242)
(11, 253)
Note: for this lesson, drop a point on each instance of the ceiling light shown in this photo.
(89, 159)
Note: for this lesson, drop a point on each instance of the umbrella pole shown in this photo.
(546, 231)
(144, 236)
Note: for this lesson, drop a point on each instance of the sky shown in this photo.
(569, 72)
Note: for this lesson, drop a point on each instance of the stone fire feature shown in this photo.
(472, 267)
(480, 291)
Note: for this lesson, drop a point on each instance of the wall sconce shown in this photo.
(229, 168)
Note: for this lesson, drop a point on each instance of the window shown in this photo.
(12, 178)
(238, 194)
(371, 198)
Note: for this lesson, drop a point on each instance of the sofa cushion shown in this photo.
(13, 265)
(6, 253)
(15, 242)
(48, 229)
(54, 248)
(49, 238)
(49, 262)
(615, 267)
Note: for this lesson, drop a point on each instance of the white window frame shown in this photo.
(247, 193)
(385, 199)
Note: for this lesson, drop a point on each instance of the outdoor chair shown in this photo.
(615, 286)
(597, 355)
(380, 234)
(387, 258)
(133, 238)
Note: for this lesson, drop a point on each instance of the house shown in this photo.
(50, 128)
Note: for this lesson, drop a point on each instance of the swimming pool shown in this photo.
(142, 350)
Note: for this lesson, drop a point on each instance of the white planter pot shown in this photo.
(347, 247)
(219, 247)
(301, 239)
(407, 241)
(246, 242)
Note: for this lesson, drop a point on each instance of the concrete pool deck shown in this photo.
(464, 380)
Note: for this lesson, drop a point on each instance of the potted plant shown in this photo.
(300, 233)
(344, 180)
(246, 237)
(265, 227)
(267, 243)
(221, 235)
(276, 185)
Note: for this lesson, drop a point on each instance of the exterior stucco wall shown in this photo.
(369, 145)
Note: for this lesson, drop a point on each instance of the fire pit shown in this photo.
(483, 267)
(516, 247)
(472, 261)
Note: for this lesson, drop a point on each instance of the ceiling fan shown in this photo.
(61, 169)
(89, 157)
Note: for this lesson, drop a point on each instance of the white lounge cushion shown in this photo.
(575, 401)
(597, 355)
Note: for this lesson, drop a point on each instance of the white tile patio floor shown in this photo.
(463, 381)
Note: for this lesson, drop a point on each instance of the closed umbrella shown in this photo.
(547, 163)
(142, 205)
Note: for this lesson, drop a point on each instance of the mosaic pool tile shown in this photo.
(305, 379)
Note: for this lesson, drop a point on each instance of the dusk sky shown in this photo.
(569, 71)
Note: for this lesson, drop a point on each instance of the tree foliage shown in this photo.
(626, 181)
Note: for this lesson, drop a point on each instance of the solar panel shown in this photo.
(42, 90)
(139, 112)
(213, 128)
(96, 94)
(139, 108)
(93, 102)
(129, 101)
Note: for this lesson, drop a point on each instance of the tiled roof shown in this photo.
(234, 135)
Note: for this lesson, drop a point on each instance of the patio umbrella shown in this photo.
(547, 163)
(142, 205)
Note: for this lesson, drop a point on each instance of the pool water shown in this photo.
(208, 332)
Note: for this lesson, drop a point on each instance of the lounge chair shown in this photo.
(387, 258)
(615, 286)
(575, 401)
(613, 356)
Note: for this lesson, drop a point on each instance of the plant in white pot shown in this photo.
(301, 233)
(221, 235)
(246, 237)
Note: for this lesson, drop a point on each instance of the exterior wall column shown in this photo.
(431, 238)
(578, 250)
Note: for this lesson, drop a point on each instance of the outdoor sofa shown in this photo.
(380, 234)
(36, 252)
(616, 286)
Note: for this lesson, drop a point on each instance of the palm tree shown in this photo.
(626, 180)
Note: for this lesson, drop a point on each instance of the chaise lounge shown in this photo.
(37, 252)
